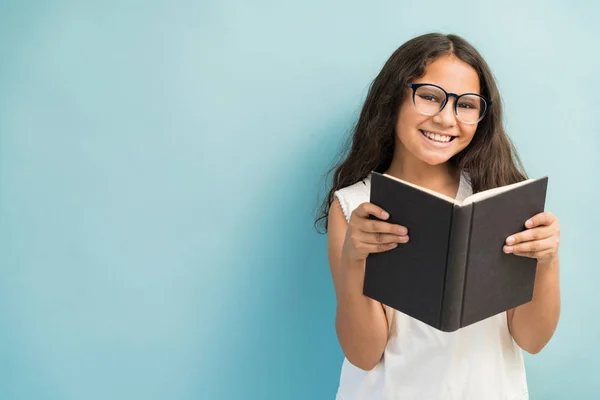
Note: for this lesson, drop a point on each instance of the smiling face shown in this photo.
(436, 139)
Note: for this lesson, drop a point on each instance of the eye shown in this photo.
(429, 97)
(469, 103)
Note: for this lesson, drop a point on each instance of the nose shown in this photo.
(446, 117)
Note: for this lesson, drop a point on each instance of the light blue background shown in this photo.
(160, 164)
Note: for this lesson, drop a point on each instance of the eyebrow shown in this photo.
(442, 87)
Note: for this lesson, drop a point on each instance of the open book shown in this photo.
(453, 272)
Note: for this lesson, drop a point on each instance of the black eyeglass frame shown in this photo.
(488, 102)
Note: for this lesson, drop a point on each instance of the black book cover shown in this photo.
(453, 272)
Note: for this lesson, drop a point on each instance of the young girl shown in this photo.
(432, 117)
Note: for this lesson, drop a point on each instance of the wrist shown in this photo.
(552, 259)
(352, 276)
(549, 263)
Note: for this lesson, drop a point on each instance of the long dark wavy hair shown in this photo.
(491, 158)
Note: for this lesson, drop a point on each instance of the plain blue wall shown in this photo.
(160, 164)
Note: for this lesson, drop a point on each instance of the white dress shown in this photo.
(479, 362)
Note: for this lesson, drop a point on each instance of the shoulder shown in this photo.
(354, 195)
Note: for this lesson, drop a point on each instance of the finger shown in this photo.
(378, 238)
(539, 233)
(379, 248)
(545, 218)
(366, 209)
(370, 225)
(538, 255)
(528, 255)
(533, 246)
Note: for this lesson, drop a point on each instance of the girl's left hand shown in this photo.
(540, 240)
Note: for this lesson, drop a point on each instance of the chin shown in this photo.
(436, 157)
(435, 160)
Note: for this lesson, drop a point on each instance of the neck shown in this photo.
(442, 178)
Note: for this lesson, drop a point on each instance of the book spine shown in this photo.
(456, 265)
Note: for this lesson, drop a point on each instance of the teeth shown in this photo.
(437, 137)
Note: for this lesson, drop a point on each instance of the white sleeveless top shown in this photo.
(478, 362)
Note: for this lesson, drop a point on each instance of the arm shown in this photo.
(533, 324)
(360, 323)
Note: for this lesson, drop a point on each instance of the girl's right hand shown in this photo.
(365, 236)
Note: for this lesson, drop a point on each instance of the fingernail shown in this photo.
(528, 223)
(402, 231)
(508, 249)
(510, 240)
(385, 215)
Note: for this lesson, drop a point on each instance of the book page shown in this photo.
(493, 192)
(431, 192)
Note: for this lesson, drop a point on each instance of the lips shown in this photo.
(437, 137)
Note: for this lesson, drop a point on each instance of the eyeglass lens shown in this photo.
(429, 100)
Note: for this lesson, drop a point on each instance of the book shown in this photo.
(453, 271)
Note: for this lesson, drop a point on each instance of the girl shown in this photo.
(432, 117)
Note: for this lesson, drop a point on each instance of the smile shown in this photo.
(436, 137)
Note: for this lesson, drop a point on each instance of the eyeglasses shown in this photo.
(430, 99)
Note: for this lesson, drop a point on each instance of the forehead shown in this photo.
(451, 73)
